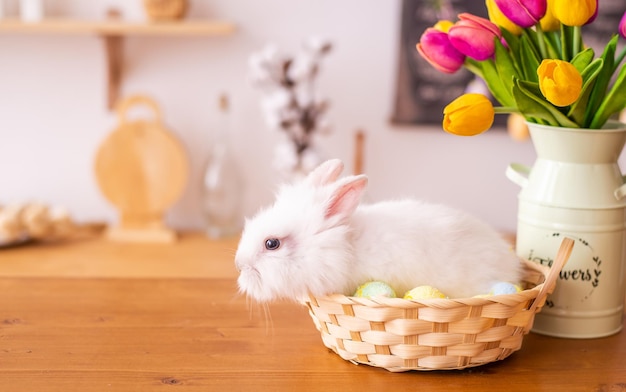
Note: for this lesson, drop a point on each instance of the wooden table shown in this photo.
(91, 315)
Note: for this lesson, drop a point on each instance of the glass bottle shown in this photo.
(222, 185)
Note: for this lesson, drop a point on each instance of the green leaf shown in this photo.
(589, 75)
(531, 38)
(602, 82)
(583, 59)
(529, 59)
(554, 44)
(506, 70)
(496, 84)
(529, 107)
(591, 71)
(531, 102)
(513, 42)
(614, 102)
(541, 42)
(511, 39)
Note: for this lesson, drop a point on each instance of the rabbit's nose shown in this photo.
(240, 265)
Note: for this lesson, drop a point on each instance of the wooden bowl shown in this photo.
(163, 10)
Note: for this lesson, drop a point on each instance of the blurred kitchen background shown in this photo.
(54, 112)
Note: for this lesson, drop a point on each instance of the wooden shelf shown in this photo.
(119, 27)
(113, 32)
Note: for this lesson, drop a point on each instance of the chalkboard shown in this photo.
(422, 92)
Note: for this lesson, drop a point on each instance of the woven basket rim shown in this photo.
(381, 301)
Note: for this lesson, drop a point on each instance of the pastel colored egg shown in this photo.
(424, 292)
(375, 289)
(504, 288)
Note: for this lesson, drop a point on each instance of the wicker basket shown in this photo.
(160, 10)
(434, 334)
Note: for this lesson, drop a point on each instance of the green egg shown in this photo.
(375, 289)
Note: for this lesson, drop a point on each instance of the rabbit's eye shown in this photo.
(272, 243)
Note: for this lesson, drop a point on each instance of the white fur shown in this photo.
(330, 244)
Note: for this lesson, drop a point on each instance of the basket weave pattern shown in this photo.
(434, 334)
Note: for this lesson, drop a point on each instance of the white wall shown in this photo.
(53, 111)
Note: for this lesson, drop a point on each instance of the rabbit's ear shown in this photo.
(345, 199)
(325, 173)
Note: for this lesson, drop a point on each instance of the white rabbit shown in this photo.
(317, 240)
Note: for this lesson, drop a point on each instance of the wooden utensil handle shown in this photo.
(135, 100)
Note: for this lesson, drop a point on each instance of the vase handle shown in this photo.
(518, 173)
(621, 191)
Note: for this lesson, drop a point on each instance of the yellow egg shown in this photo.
(424, 292)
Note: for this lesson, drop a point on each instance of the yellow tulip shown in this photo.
(443, 25)
(559, 81)
(468, 115)
(497, 17)
(574, 12)
(549, 22)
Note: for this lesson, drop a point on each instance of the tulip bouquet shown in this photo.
(533, 59)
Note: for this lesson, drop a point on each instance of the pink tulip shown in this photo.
(474, 36)
(524, 13)
(435, 47)
(622, 26)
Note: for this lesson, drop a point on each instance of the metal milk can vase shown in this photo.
(576, 189)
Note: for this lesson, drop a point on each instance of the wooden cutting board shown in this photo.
(142, 169)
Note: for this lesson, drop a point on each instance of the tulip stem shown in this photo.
(564, 54)
(474, 67)
(576, 40)
(505, 109)
(620, 58)
(541, 41)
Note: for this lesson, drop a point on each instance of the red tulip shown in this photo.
(622, 26)
(474, 36)
(435, 47)
(524, 13)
